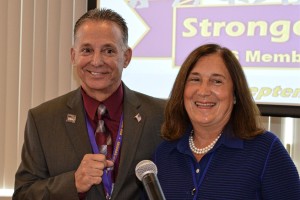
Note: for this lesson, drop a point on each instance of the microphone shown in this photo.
(146, 171)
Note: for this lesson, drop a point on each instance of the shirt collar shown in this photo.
(228, 139)
(113, 104)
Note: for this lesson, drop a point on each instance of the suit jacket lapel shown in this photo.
(76, 125)
(134, 120)
(78, 134)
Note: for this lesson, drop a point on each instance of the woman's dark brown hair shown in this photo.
(245, 116)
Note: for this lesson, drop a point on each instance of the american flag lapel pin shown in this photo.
(71, 118)
(138, 117)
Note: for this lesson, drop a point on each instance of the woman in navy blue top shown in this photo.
(215, 146)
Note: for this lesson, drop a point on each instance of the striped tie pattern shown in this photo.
(103, 138)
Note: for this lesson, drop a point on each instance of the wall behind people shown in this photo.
(35, 66)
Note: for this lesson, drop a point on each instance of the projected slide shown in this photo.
(263, 34)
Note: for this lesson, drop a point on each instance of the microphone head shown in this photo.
(145, 167)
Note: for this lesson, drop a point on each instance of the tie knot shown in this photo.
(101, 110)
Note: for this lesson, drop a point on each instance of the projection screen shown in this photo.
(263, 34)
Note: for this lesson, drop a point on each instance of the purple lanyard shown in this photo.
(198, 183)
(106, 177)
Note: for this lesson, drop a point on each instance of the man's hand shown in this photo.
(90, 171)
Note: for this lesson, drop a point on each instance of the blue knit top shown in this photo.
(260, 168)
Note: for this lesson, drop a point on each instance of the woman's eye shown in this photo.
(195, 79)
(217, 81)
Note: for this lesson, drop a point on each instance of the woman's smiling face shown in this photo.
(208, 93)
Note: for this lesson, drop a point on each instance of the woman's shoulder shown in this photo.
(267, 136)
(264, 141)
(167, 145)
(165, 148)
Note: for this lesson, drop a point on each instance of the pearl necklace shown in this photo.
(203, 150)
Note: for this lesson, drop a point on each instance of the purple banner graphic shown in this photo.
(264, 36)
(259, 35)
(158, 41)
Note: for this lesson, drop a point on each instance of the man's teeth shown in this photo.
(95, 73)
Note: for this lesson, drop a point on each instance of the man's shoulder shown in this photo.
(151, 100)
(58, 102)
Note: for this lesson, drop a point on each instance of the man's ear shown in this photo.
(72, 52)
(128, 56)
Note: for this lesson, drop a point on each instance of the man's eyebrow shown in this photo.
(85, 45)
